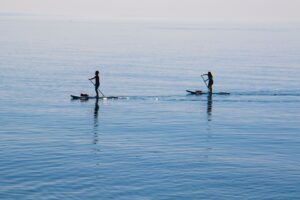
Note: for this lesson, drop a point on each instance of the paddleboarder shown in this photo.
(210, 81)
(97, 82)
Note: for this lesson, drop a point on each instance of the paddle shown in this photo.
(204, 81)
(98, 88)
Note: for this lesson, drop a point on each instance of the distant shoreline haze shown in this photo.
(158, 10)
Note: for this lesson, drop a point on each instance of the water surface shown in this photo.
(154, 142)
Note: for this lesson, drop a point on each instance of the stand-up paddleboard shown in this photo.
(199, 92)
(74, 97)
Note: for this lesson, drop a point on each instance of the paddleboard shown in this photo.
(74, 97)
(199, 92)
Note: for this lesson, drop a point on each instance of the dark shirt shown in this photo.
(210, 77)
(97, 80)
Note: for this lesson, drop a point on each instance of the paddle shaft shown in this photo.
(98, 88)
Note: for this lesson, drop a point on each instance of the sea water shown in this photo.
(155, 141)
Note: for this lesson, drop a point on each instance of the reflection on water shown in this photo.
(96, 113)
(208, 128)
(96, 110)
(209, 106)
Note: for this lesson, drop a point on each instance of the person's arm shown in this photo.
(92, 78)
(205, 75)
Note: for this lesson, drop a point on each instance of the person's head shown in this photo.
(209, 73)
(97, 73)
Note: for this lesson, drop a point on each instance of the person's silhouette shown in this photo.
(210, 81)
(97, 82)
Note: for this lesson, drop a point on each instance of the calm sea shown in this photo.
(155, 141)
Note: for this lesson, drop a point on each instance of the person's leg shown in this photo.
(210, 84)
(96, 89)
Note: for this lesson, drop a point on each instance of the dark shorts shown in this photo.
(210, 83)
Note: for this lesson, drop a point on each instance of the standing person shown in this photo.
(210, 81)
(97, 82)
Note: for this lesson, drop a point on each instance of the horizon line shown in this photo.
(37, 16)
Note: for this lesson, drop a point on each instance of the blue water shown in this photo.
(154, 142)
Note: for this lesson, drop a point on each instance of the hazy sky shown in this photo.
(196, 10)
